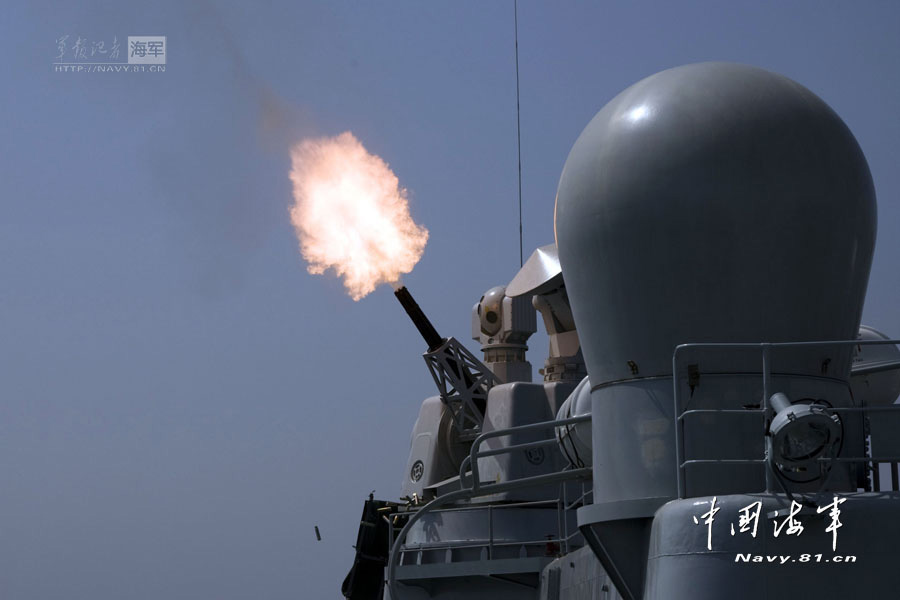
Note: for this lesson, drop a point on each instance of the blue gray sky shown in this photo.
(180, 402)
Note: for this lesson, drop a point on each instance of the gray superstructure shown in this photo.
(713, 420)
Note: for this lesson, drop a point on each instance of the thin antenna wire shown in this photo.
(518, 126)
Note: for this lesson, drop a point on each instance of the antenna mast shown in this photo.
(518, 126)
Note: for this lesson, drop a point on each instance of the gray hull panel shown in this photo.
(800, 565)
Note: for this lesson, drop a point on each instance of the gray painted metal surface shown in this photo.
(715, 225)
(503, 324)
(577, 576)
(708, 203)
(874, 377)
(435, 449)
(541, 273)
(575, 441)
(511, 405)
(713, 202)
(681, 565)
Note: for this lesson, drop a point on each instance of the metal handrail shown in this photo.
(425, 546)
(477, 489)
(490, 543)
(522, 504)
(579, 501)
(474, 454)
(465, 494)
(766, 349)
(522, 446)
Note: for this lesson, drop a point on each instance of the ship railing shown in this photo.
(561, 541)
(478, 488)
(475, 452)
(763, 412)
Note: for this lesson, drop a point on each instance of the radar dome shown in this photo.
(713, 202)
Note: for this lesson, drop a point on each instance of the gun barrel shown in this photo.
(432, 337)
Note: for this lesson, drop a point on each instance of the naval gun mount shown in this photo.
(489, 428)
(478, 397)
(462, 380)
